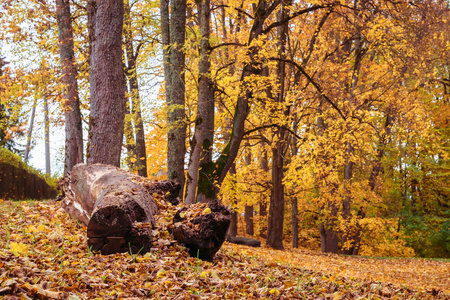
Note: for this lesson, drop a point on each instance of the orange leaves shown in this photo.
(56, 267)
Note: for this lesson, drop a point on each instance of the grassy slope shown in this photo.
(43, 254)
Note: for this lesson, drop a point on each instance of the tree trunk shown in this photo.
(276, 208)
(232, 230)
(131, 54)
(294, 222)
(73, 122)
(329, 241)
(200, 175)
(115, 205)
(47, 137)
(176, 146)
(30, 131)
(248, 212)
(130, 144)
(107, 81)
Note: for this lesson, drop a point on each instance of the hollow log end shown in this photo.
(204, 234)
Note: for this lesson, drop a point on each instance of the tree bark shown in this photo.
(248, 212)
(73, 122)
(233, 229)
(200, 165)
(294, 222)
(176, 146)
(47, 137)
(115, 205)
(276, 208)
(30, 131)
(136, 114)
(107, 81)
(205, 233)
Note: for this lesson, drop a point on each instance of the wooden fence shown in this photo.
(17, 184)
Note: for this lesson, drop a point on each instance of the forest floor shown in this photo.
(43, 255)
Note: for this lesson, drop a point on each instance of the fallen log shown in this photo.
(113, 204)
(202, 228)
(118, 208)
(244, 241)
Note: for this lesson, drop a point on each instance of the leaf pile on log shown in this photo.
(125, 212)
(202, 227)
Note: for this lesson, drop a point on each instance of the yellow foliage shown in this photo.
(18, 249)
(380, 238)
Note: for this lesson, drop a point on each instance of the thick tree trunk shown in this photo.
(118, 209)
(176, 146)
(107, 81)
(73, 123)
(115, 205)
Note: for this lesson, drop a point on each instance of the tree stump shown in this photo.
(202, 228)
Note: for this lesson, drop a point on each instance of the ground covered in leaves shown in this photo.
(43, 255)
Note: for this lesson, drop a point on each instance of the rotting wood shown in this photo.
(202, 228)
(118, 208)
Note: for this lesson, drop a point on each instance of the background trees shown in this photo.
(322, 122)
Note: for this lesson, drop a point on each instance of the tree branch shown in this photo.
(295, 14)
(315, 84)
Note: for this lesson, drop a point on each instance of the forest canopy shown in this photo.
(322, 123)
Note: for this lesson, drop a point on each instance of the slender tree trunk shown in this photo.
(199, 173)
(248, 212)
(276, 208)
(176, 146)
(129, 138)
(232, 230)
(30, 130)
(73, 122)
(47, 137)
(230, 152)
(294, 222)
(107, 82)
(131, 54)
(165, 40)
(264, 164)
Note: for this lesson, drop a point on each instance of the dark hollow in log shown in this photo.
(244, 241)
(203, 234)
(111, 203)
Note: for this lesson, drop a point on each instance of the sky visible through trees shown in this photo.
(321, 123)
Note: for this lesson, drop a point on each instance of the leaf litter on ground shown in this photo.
(43, 255)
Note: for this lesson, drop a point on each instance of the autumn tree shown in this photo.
(73, 123)
(200, 162)
(173, 30)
